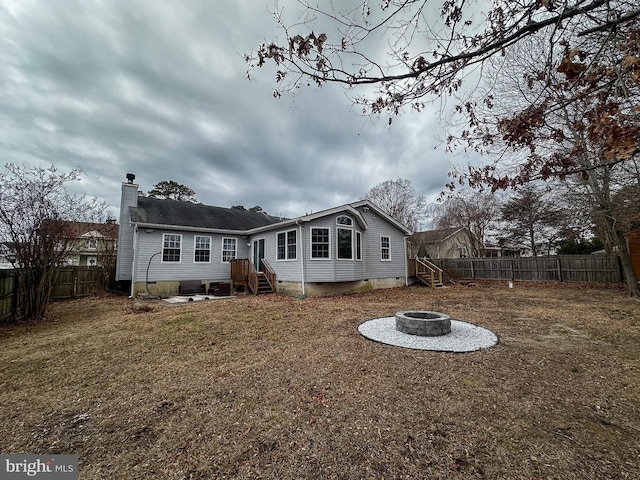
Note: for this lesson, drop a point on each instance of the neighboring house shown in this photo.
(5, 256)
(456, 242)
(349, 248)
(94, 244)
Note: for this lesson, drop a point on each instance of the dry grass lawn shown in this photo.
(274, 387)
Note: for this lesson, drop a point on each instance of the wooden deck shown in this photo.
(244, 273)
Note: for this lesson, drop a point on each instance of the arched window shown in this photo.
(344, 220)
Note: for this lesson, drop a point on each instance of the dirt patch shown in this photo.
(277, 387)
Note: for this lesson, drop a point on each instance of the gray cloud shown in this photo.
(159, 89)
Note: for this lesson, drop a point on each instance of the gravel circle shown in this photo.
(464, 337)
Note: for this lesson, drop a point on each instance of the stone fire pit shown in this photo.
(424, 330)
(424, 324)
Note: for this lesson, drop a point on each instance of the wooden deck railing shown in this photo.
(240, 268)
(244, 273)
(428, 272)
(253, 280)
(269, 274)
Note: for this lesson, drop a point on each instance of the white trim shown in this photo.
(350, 224)
(252, 252)
(311, 229)
(222, 250)
(381, 248)
(406, 269)
(162, 260)
(134, 259)
(286, 246)
(199, 262)
(302, 260)
(358, 242)
(338, 257)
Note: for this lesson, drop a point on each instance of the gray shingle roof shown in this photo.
(436, 236)
(170, 212)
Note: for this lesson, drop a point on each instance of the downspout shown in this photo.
(135, 259)
(406, 270)
(302, 250)
(146, 280)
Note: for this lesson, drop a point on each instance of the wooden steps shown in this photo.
(263, 285)
(428, 281)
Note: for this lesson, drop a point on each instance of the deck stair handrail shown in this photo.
(244, 273)
(269, 274)
(253, 279)
(428, 273)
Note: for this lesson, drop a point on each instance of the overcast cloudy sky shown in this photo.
(158, 89)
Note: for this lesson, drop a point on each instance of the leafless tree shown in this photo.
(398, 198)
(588, 72)
(36, 215)
(411, 49)
(477, 211)
(552, 129)
(531, 217)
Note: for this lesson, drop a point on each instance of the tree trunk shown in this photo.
(534, 250)
(633, 289)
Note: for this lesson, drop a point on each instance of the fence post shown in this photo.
(621, 277)
(473, 275)
(559, 269)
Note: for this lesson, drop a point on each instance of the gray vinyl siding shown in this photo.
(320, 270)
(371, 265)
(286, 270)
(150, 243)
(374, 266)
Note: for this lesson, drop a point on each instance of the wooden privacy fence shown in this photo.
(78, 282)
(7, 293)
(562, 268)
(71, 282)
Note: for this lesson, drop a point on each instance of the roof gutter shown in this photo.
(161, 226)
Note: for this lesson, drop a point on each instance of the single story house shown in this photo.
(455, 242)
(164, 244)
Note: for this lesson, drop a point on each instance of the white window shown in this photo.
(171, 247)
(202, 249)
(287, 242)
(344, 220)
(320, 243)
(345, 243)
(93, 244)
(229, 249)
(385, 249)
(358, 246)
